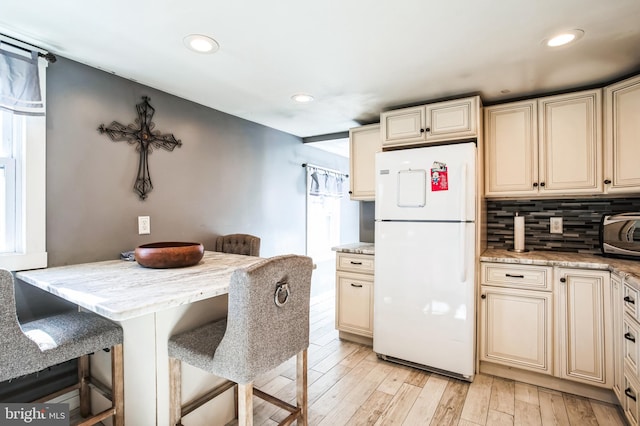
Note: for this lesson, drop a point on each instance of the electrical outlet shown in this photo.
(555, 225)
(144, 225)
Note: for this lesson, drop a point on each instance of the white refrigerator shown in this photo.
(424, 288)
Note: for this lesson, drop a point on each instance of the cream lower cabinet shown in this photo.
(630, 352)
(524, 343)
(516, 316)
(554, 321)
(354, 294)
(618, 359)
(584, 326)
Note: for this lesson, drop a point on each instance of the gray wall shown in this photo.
(230, 175)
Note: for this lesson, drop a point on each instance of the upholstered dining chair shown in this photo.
(246, 244)
(267, 324)
(33, 346)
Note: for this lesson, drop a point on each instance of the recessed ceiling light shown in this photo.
(201, 44)
(302, 98)
(564, 38)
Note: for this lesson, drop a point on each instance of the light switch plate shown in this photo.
(144, 225)
(555, 225)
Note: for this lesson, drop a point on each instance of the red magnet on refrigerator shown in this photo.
(439, 177)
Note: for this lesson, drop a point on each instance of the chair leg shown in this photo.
(301, 387)
(117, 384)
(175, 391)
(245, 404)
(85, 392)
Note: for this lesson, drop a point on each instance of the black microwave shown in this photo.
(620, 235)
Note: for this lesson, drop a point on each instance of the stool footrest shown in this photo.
(56, 394)
(295, 411)
(98, 417)
(218, 390)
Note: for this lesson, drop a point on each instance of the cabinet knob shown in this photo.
(350, 192)
(484, 296)
(629, 300)
(541, 183)
(421, 130)
(428, 129)
(607, 181)
(535, 184)
(563, 280)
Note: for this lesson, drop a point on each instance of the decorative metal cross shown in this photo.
(141, 133)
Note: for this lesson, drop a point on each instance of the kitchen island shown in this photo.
(150, 305)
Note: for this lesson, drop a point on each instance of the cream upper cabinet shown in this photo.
(570, 143)
(584, 326)
(546, 146)
(511, 159)
(622, 136)
(436, 122)
(364, 143)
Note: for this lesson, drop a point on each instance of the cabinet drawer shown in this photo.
(517, 276)
(630, 336)
(351, 262)
(630, 402)
(630, 300)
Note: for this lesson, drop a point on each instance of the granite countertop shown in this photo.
(121, 290)
(629, 269)
(358, 248)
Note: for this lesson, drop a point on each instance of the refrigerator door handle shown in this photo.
(463, 234)
(463, 193)
(463, 252)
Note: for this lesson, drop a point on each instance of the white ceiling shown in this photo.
(357, 57)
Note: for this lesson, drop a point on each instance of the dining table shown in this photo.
(151, 305)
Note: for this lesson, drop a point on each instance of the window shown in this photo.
(22, 186)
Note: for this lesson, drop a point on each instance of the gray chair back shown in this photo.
(19, 355)
(262, 333)
(246, 244)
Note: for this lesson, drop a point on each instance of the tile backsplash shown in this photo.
(581, 221)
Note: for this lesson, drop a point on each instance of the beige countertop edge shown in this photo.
(357, 248)
(628, 269)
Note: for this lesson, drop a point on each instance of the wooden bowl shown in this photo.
(169, 254)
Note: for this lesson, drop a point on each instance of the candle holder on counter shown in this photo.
(518, 234)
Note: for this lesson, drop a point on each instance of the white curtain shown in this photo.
(325, 182)
(20, 83)
(324, 190)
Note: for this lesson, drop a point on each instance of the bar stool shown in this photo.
(33, 346)
(246, 244)
(267, 324)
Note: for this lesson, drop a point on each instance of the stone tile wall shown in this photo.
(581, 221)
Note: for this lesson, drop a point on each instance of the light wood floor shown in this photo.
(349, 385)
